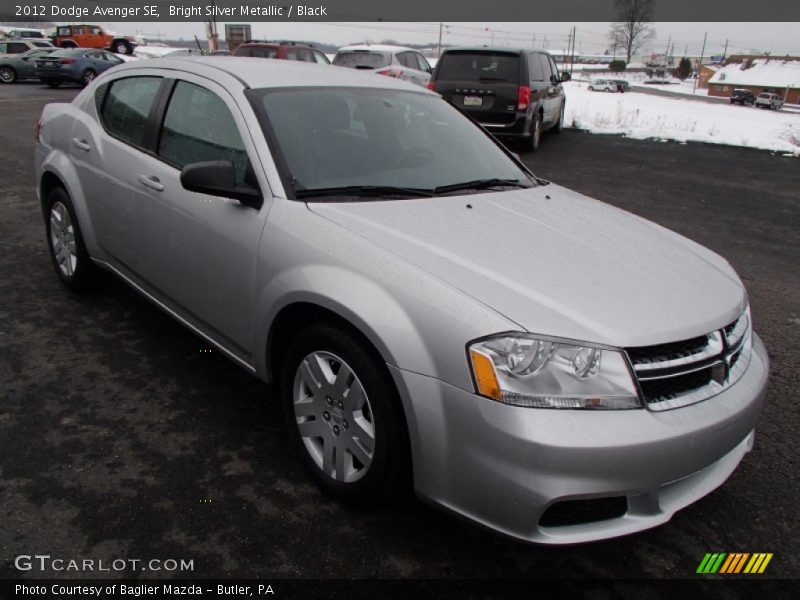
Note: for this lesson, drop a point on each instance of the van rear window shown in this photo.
(479, 67)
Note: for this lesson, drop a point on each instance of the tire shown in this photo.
(68, 45)
(559, 126)
(65, 241)
(591, 89)
(536, 133)
(7, 75)
(122, 47)
(361, 454)
(88, 77)
(52, 83)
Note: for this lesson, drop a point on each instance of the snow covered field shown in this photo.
(645, 116)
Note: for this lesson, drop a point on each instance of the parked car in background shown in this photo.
(742, 97)
(282, 50)
(433, 314)
(92, 36)
(74, 65)
(516, 94)
(769, 100)
(16, 67)
(394, 61)
(23, 33)
(622, 85)
(20, 46)
(604, 85)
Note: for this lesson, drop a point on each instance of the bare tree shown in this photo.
(634, 28)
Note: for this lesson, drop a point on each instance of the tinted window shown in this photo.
(423, 63)
(356, 136)
(407, 59)
(361, 60)
(545, 66)
(301, 54)
(17, 48)
(199, 127)
(535, 66)
(262, 52)
(479, 67)
(127, 106)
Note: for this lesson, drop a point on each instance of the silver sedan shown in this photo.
(436, 315)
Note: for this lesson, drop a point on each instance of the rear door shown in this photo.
(412, 69)
(482, 83)
(106, 155)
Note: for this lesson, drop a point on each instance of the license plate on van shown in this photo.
(473, 101)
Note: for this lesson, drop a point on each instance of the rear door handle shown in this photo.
(152, 182)
(82, 144)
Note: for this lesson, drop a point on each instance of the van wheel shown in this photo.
(559, 126)
(536, 134)
(344, 415)
(64, 239)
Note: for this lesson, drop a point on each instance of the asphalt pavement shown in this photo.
(120, 437)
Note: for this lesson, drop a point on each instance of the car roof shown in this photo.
(276, 43)
(487, 49)
(76, 51)
(272, 73)
(377, 48)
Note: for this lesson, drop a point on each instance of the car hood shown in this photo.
(557, 263)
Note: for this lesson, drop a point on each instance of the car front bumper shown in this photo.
(503, 466)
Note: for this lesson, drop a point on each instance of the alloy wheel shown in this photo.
(62, 239)
(7, 75)
(334, 417)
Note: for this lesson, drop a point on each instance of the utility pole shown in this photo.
(725, 52)
(666, 56)
(572, 56)
(700, 64)
(440, 40)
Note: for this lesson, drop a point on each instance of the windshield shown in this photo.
(479, 66)
(409, 142)
(360, 59)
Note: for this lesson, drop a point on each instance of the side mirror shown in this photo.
(565, 76)
(218, 178)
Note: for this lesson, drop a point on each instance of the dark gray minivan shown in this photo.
(516, 94)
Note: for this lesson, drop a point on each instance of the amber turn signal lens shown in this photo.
(485, 376)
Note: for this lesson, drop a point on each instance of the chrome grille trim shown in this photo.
(667, 382)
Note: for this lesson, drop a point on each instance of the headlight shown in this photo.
(523, 370)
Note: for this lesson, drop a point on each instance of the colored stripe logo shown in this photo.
(733, 563)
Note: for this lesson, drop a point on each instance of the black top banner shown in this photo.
(390, 10)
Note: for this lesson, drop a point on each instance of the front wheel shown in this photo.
(7, 75)
(65, 242)
(344, 414)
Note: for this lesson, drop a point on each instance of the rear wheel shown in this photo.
(88, 77)
(65, 242)
(122, 47)
(7, 75)
(591, 89)
(344, 415)
(536, 133)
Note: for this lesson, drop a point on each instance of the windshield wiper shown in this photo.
(479, 184)
(368, 191)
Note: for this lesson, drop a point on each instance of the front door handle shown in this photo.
(152, 182)
(82, 144)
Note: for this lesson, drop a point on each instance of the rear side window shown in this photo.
(199, 127)
(64, 31)
(362, 60)
(479, 67)
(17, 48)
(300, 54)
(127, 106)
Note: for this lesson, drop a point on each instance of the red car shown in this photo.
(282, 50)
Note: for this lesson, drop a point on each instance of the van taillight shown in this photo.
(67, 61)
(523, 97)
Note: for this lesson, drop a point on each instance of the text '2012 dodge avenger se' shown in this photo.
(537, 361)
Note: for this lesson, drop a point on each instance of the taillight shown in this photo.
(430, 85)
(523, 97)
(389, 72)
(67, 61)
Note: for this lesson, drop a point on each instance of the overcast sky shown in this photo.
(778, 38)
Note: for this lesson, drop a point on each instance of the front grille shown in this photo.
(689, 371)
(578, 512)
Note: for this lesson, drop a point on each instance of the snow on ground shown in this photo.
(154, 50)
(646, 116)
